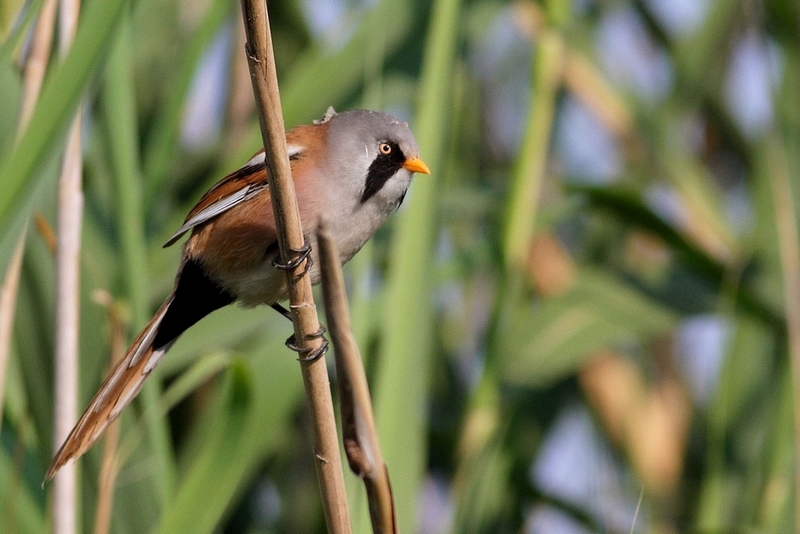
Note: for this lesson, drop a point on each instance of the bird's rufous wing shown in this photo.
(229, 192)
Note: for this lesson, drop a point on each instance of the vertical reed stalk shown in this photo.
(70, 214)
(36, 63)
(484, 418)
(8, 299)
(359, 434)
(70, 206)
(532, 162)
(290, 239)
(788, 239)
(120, 113)
(408, 320)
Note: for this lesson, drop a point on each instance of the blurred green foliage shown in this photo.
(515, 289)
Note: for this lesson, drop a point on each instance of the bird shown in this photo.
(350, 169)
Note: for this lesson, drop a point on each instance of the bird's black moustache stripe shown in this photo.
(381, 170)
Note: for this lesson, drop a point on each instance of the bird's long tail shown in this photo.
(195, 296)
(117, 391)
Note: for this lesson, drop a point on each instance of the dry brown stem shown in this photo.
(290, 239)
(358, 421)
(68, 246)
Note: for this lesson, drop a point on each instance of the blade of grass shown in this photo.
(403, 375)
(547, 342)
(58, 102)
(33, 74)
(252, 414)
(231, 417)
(119, 110)
(483, 417)
(160, 148)
(531, 163)
(776, 169)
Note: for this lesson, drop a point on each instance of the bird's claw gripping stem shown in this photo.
(304, 254)
(307, 354)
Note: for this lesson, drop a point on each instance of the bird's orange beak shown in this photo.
(416, 165)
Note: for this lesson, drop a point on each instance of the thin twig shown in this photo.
(358, 421)
(70, 214)
(290, 238)
(636, 511)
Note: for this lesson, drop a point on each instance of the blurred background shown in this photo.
(584, 321)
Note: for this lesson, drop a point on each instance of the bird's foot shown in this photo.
(307, 354)
(304, 254)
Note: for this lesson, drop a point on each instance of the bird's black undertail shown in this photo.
(196, 295)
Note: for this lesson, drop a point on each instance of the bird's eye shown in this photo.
(385, 148)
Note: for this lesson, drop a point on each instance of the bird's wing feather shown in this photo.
(215, 208)
(232, 190)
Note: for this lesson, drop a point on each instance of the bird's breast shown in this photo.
(352, 231)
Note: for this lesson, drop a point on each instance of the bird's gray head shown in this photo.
(382, 149)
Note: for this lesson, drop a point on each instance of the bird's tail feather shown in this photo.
(117, 391)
